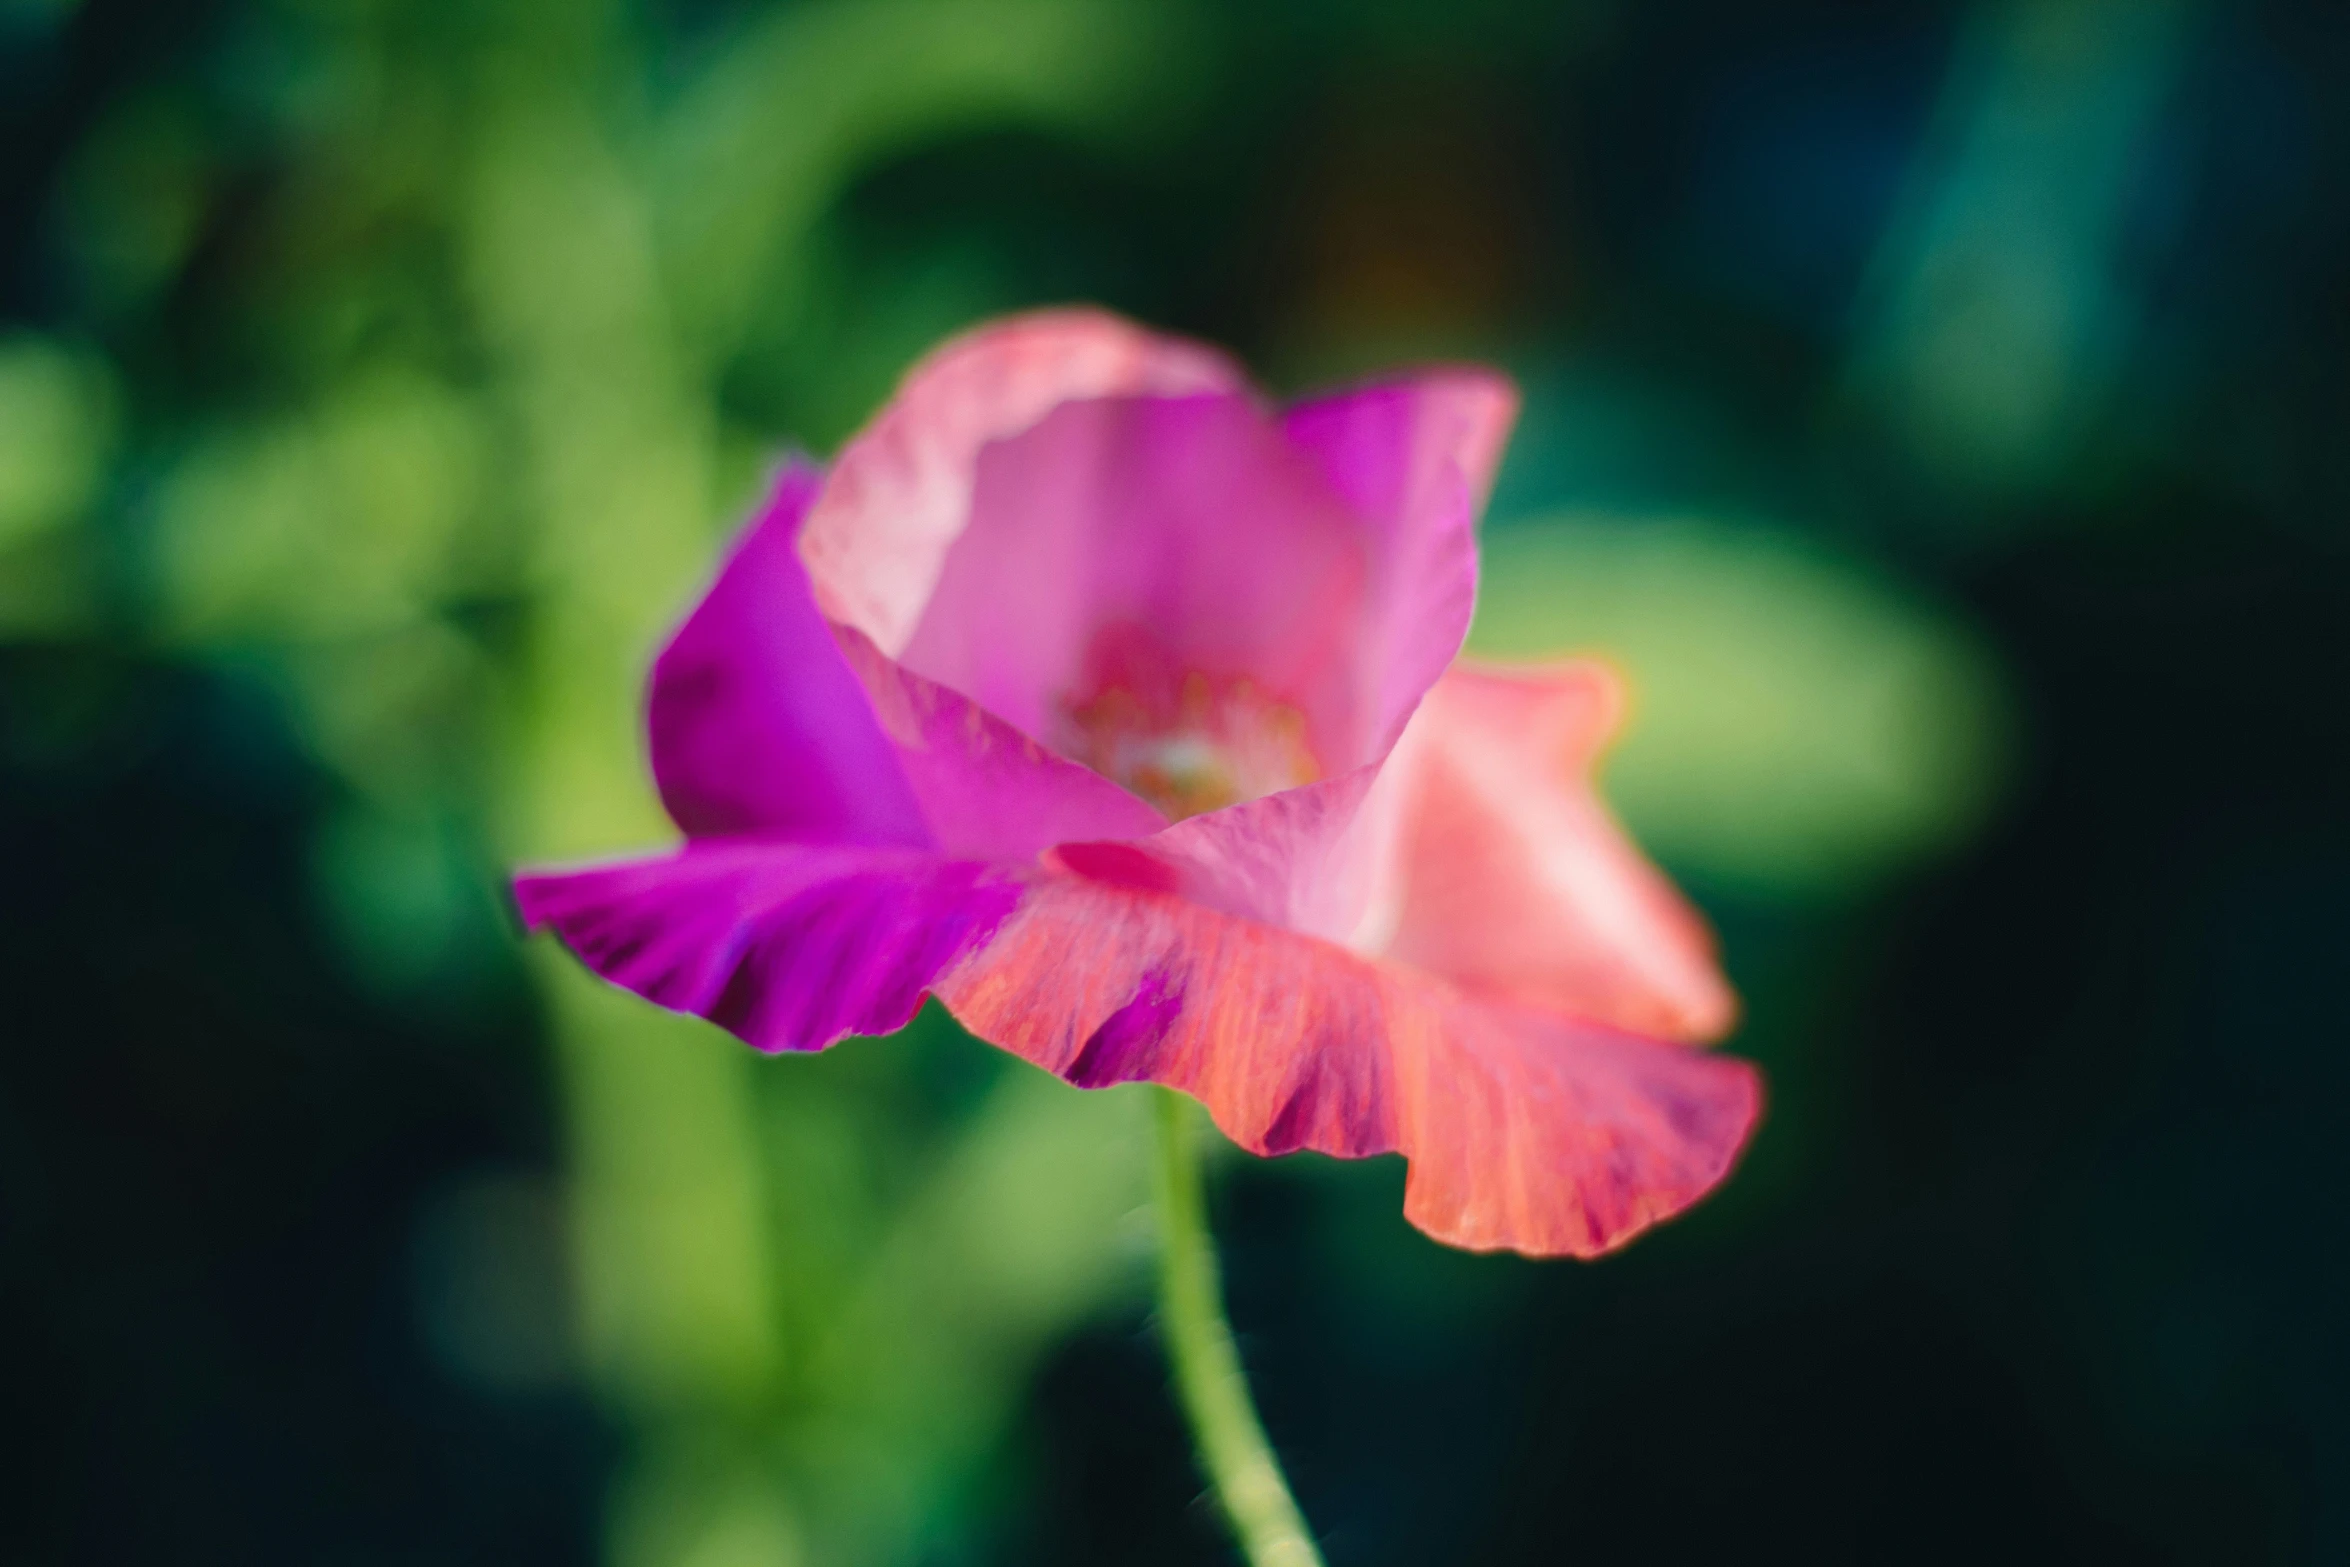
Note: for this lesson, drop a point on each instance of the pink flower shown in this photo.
(1120, 712)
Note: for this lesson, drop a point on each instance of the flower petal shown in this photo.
(765, 719)
(757, 724)
(1518, 884)
(1415, 457)
(986, 790)
(1516, 1110)
(900, 492)
(1147, 542)
(790, 946)
(1318, 859)
(1529, 1131)
(1537, 1133)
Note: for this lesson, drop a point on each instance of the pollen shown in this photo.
(1207, 744)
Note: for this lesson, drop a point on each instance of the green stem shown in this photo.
(1225, 1431)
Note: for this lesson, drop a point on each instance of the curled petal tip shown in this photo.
(900, 493)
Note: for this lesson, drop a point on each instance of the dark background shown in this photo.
(2041, 1254)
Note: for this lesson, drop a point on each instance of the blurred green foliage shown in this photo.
(488, 331)
(474, 455)
(57, 417)
(1798, 724)
(415, 359)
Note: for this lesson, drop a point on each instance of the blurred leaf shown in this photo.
(135, 197)
(57, 433)
(809, 96)
(2004, 298)
(400, 713)
(58, 429)
(344, 520)
(1032, 1223)
(676, 1290)
(694, 1508)
(1798, 723)
(404, 899)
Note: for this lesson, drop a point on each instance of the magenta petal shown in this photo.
(1415, 458)
(1183, 533)
(757, 724)
(789, 946)
(987, 790)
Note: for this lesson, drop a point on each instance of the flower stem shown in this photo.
(1225, 1431)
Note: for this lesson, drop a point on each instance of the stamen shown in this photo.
(1215, 744)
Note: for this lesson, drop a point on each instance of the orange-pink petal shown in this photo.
(1527, 1131)
(1517, 882)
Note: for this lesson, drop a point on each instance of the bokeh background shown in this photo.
(1941, 411)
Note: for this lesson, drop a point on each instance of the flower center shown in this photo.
(1205, 745)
